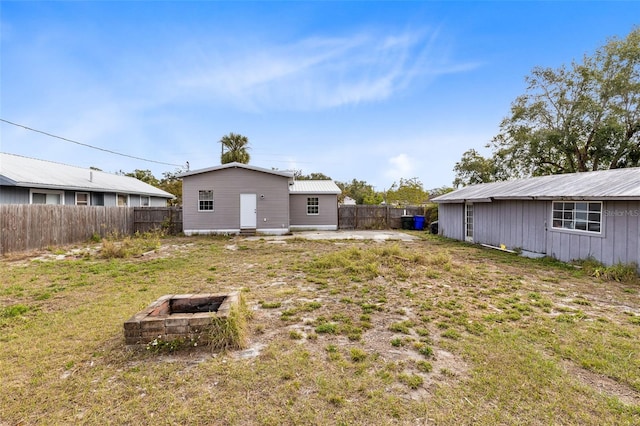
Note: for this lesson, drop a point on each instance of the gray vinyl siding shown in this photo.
(227, 185)
(327, 210)
(451, 220)
(14, 195)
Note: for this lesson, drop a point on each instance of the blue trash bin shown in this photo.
(418, 223)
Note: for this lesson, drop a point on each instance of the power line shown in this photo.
(90, 146)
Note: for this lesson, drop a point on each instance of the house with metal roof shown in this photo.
(568, 217)
(25, 180)
(240, 198)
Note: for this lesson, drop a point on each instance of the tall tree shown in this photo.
(144, 175)
(360, 191)
(473, 168)
(234, 149)
(171, 183)
(575, 118)
(313, 176)
(409, 192)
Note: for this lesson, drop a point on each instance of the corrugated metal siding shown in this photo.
(227, 185)
(451, 220)
(14, 195)
(327, 210)
(620, 241)
(527, 225)
(516, 224)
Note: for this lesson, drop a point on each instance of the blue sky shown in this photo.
(375, 91)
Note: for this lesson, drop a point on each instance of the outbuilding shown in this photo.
(240, 198)
(567, 217)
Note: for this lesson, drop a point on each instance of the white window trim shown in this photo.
(46, 191)
(148, 198)
(313, 205)
(213, 201)
(579, 231)
(88, 198)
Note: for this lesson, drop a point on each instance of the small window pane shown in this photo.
(205, 200)
(594, 217)
(313, 205)
(594, 227)
(569, 206)
(581, 226)
(39, 198)
(82, 199)
(581, 206)
(594, 207)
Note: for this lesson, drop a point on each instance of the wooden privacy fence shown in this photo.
(168, 219)
(33, 227)
(36, 226)
(375, 217)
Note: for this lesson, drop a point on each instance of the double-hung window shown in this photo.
(205, 200)
(313, 206)
(585, 216)
(82, 199)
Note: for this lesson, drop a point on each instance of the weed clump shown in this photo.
(230, 332)
(620, 272)
(116, 247)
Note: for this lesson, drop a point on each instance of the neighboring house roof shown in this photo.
(314, 187)
(237, 166)
(16, 170)
(614, 184)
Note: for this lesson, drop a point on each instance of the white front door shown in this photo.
(248, 212)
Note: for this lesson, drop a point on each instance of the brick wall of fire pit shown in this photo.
(178, 316)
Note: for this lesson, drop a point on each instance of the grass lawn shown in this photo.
(342, 332)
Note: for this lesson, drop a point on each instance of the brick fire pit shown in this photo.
(178, 316)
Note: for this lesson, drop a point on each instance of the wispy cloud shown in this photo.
(400, 166)
(317, 73)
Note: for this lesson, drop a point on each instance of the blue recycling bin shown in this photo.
(418, 223)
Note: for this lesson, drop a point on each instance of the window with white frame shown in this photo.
(205, 200)
(122, 200)
(145, 201)
(43, 196)
(585, 216)
(82, 199)
(313, 206)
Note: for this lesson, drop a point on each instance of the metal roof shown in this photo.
(314, 187)
(16, 170)
(614, 184)
(238, 166)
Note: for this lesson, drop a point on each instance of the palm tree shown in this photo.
(234, 148)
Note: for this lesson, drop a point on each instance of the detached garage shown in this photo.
(568, 217)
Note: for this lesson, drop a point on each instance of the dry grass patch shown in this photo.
(344, 332)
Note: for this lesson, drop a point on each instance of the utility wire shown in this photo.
(90, 146)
